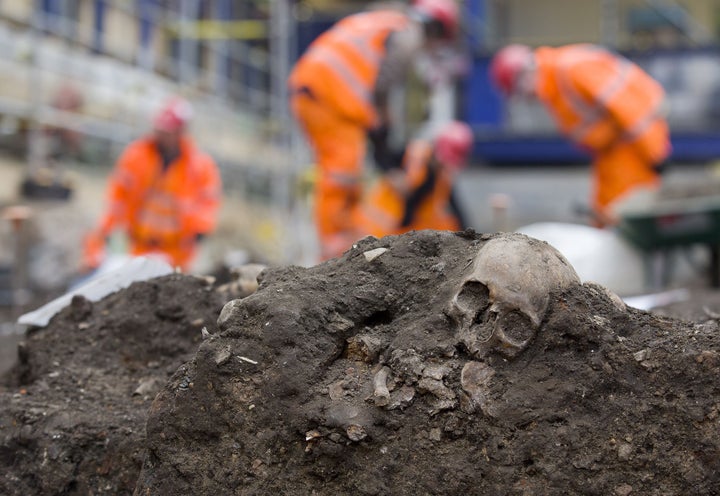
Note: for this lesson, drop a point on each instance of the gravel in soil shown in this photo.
(381, 372)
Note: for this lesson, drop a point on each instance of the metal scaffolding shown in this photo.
(230, 59)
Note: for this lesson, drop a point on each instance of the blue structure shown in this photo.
(695, 129)
(695, 138)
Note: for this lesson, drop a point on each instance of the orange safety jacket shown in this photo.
(382, 212)
(161, 210)
(341, 66)
(600, 99)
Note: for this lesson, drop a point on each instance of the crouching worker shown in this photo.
(420, 194)
(164, 194)
(605, 104)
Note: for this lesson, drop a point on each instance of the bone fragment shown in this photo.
(356, 432)
(371, 255)
(223, 356)
(381, 393)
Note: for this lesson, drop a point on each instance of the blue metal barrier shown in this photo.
(694, 114)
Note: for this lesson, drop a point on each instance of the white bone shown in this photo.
(518, 274)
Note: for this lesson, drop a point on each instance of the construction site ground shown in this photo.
(247, 231)
(253, 232)
(351, 377)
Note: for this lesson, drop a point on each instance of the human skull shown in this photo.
(502, 301)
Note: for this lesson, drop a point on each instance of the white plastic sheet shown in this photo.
(108, 279)
(598, 255)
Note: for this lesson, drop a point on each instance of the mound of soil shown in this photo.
(350, 378)
(74, 409)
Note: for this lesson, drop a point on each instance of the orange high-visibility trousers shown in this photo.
(617, 171)
(339, 146)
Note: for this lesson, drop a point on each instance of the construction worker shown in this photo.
(339, 92)
(604, 103)
(164, 193)
(420, 195)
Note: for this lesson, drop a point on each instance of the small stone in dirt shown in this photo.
(641, 355)
(147, 387)
(363, 348)
(435, 434)
(223, 356)
(624, 451)
(371, 255)
(623, 490)
(80, 308)
(356, 432)
(381, 392)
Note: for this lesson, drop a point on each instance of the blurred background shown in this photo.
(82, 78)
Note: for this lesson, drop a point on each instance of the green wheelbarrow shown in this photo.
(675, 223)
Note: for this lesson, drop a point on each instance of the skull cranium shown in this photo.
(502, 301)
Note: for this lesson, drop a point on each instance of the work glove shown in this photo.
(385, 157)
(661, 167)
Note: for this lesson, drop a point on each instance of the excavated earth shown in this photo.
(353, 377)
(73, 411)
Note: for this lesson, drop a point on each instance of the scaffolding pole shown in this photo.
(610, 23)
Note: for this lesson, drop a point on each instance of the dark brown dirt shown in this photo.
(284, 400)
(283, 397)
(73, 410)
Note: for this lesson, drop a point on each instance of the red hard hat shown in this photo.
(453, 144)
(507, 64)
(444, 11)
(174, 116)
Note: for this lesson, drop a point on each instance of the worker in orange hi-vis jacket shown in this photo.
(604, 103)
(339, 93)
(164, 194)
(420, 194)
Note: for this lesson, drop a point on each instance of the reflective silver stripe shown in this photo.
(381, 217)
(590, 113)
(162, 199)
(616, 85)
(342, 178)
(159, 213)
(598, 112)
(361, 46)
(209, 196)
(343, 71)
(370, 26)
(118, 210)
(206, 218)
(160, 224)
(641, 126)
(124, 179)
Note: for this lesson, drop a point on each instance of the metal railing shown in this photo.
(236, 86)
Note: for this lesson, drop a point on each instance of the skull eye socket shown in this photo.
(518, 327)
(474, 295)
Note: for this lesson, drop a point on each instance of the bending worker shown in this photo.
(164, 194)
(604, 103)
(339, 92)
(420, 194)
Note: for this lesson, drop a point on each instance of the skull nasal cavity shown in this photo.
(474, 295)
